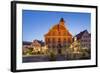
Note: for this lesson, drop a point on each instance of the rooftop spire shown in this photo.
(61, 21)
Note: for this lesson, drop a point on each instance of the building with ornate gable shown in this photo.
(85, 38)
(58, 36)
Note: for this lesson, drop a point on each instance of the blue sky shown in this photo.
(37, 23)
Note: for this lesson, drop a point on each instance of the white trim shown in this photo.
(35, 65)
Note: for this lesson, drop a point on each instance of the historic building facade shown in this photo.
(58, 36)
(85, 39)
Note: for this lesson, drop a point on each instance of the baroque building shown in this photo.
(58, 36)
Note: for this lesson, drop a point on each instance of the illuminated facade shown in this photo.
(85, 38)
(58, 35)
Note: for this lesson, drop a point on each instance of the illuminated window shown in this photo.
(48, 40)
(53, 40)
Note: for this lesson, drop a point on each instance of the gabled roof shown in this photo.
(40, 42)
(79, 36)
(58, 28)
(27, 43)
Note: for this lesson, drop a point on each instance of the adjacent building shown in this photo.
(26, 46)
(35, 47)
(85, 39)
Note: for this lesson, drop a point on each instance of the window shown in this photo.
(69, 40)
(48, 40)
(59, 40)
(64, 40)
(64, 33)
(53, 33)
(53, 40)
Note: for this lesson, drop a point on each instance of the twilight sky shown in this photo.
(37, 23)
